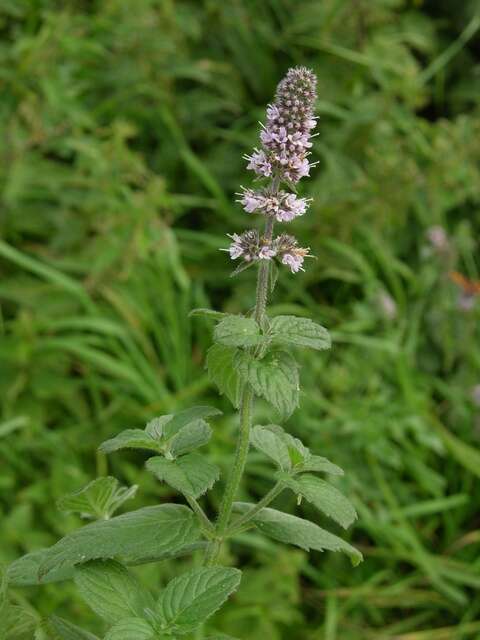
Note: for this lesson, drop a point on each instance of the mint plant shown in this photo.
(251, 358)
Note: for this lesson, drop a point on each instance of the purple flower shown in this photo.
(286, 136)
(290, 254)
(283, 206)
(250, 246)
(293, 261)
(437, 236)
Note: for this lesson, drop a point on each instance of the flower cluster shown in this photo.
(286, 136)
(284, 158)
(283, 206)
(251, 246)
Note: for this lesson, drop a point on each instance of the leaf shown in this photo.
(159, 432)
(98, 499)
(192, 475)
(222, 371)
(131, 629)
(111, 591)
(60, 629)
(222, 636)
(324, 496)
(302, 533)
(271, 442)
(321, 465)
(274, 378)
(190, 437)
(131, 536)
(186, 417)
(207, 313)
(300, 332)
(24, 571)
(237, 331)
(194, 596)
(130, 439)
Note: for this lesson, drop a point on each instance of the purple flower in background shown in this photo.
(438, 238)
(387, 305)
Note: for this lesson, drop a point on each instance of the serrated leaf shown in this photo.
(130, 537)
(60, 629)
(324, 496)
(186, 417)
(302, 533)
(98, 499)
(193, 597)
(222, 371)
(192, 436)
(192, 475)
(24, 571)
(320, 465)
(222, 636)
(111, 591)
(274, 378)
(270, 441)
(207, 313)
(300, 332)
(130, 439)
(237, 331)
(131, 629)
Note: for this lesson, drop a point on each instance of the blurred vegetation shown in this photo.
(123, 126)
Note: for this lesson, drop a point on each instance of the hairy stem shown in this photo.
(201, 515)
(246, 407)
(237, 525)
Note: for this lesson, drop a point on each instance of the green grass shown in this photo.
(124, 131)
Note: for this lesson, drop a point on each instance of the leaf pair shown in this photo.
(172, 435)
(116, 595)
(99, 499)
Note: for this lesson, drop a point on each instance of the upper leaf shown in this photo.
(274, 377)
(222, 371)
(98, 499)
(60, 629)
(324, 496)
(171, 434)
(237, 331)
(131, 537)
(194, 596)
(270, 441)
(111, 590)
(302, 533)
(288, 452)
(300, 332)
(192, 475)
(131, 629)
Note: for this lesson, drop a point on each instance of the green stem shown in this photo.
(245, 407)
(205, 523)
(239, 524)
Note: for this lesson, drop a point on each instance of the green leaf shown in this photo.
(130, 439)
(192, 436)
(24, 572)
(270, 441)
(207, 313)
(131, 629)
(181, 432)
(130, 537)
(222, 636)
(98, 499)
(320, 465)
(302, 533)
(237, 331)
(300, 332)
(274, 378)
(194, 596)
(111, 591)
(192, 475)
(60, 629)
(324, 496)
(222, 371)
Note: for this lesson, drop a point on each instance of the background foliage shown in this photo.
(124, 125)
